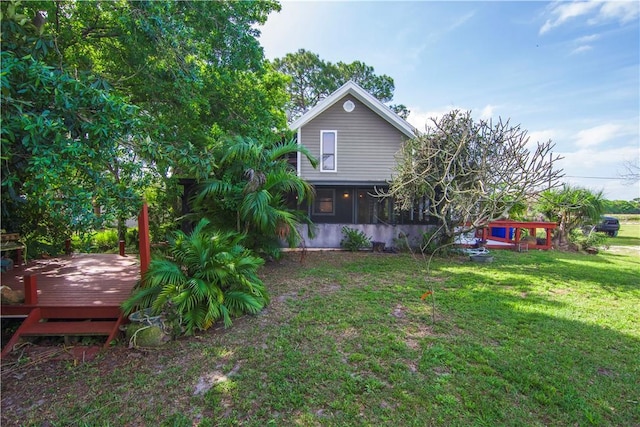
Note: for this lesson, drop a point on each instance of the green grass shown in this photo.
(535, 338)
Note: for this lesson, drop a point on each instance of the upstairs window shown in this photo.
(328, 149)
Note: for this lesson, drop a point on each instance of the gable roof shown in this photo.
(353, 89)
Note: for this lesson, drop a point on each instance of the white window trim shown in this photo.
(298, 154)
(335, 153)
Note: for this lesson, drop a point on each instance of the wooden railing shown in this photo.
(511, 232)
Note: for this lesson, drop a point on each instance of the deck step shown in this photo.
(69, 328)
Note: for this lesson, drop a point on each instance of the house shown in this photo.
(356, 139)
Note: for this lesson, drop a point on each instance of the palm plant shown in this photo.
(571, 207)
(209, 276)
(253, 191)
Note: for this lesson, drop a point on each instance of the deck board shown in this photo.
(79, 280)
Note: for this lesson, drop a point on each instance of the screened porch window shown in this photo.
(328, 148)
(324, 203)
(373, 209)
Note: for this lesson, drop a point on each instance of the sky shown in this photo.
(565, 71)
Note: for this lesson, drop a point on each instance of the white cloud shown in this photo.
(597, 135)
(540, 136)
(420, 119)
(587, 39)
(461, 21)
(564, 11)
(580, 49)
(621, 11)
(597, 170)
(590, 162)
(487, 112)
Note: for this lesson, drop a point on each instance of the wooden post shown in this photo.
(67, 246)
(548, 242)
(30, 290)
(145, 246)
(121, 247)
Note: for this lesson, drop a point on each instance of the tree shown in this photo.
(66, 141)
(312, 79)
(251, 193)
(469, 173)
(195, 68)
(572, 208)
(128, 92)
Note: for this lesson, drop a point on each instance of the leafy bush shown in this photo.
(584, 240)
(208, 276)
(354, 240)
(105, 240)
(429, 242)
(133, 237)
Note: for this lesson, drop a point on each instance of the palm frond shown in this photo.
(241, 302)
(255, 207)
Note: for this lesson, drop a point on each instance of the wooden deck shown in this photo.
(82, 287)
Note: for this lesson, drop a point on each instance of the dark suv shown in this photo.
(609, 225)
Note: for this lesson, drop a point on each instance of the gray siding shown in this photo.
(366, 144)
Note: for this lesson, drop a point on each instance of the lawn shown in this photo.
(535, 338)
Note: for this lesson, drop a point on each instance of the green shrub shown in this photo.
(354, 240)
(584, 240)
(105, 240)
(208, 276)
(429, 242)
(133, 237)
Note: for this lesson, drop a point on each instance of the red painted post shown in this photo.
(143, 232)
(30, 290)
(122, 245)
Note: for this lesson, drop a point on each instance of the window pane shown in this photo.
(328, 151)
(324, 202)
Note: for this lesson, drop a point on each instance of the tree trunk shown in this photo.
(122, 229)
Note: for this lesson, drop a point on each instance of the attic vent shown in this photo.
(348, 106)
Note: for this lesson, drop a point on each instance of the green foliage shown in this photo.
(429, 242)
(622, 206)
(588, 239)
(65, 140)
(209, 276)
(105, 240)
(250, 193)
(109, 97)
(354, 239)
(312, 79)
(572, 208)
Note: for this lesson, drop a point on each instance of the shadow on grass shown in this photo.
(615, 273)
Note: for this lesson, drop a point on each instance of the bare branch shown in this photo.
(472, 172)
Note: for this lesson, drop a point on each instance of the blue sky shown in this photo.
(565, 71)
